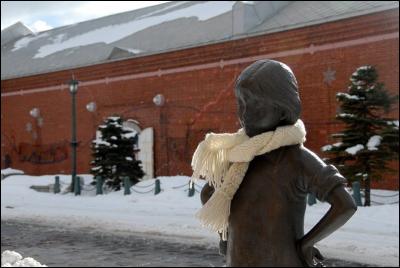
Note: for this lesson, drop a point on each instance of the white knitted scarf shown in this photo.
(223, 159)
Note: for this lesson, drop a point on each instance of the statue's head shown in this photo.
(267, 97)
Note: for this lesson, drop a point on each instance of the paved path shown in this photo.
(85, 248)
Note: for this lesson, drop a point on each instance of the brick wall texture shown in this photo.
(198, 87)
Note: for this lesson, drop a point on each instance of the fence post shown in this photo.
(57, 185)
(311, 199)
(157, 187)
(99, 185)
(191, 188)
(356, 193)
(127, 185)
(77, 187)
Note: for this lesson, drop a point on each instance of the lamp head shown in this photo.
(73, 85)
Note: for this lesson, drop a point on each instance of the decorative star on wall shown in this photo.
(329, 76)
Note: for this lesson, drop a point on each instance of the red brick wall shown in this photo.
(198, 86)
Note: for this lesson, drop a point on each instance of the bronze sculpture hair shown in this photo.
(267, 97)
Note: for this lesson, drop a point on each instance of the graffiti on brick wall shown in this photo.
(43, 154)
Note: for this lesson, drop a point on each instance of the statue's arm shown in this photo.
(205, 195)
(328, 185)
(342, 208)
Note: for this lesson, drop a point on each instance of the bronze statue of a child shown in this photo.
(266, 215)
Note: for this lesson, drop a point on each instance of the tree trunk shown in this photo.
(367, 202)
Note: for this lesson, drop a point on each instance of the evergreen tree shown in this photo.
(113, 154)
(369, 140)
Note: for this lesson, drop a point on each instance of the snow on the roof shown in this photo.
(163, 9)
(373, 142)
(132, 50)
(112, 33)
(75, 47)
(24, 42)
(354, 149)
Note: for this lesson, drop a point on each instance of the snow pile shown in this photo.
(373, 142)
(354, 149)
(14, 259)
(9, 171)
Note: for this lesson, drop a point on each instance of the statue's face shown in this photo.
(256, 115)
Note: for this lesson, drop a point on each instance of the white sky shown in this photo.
(44, 15)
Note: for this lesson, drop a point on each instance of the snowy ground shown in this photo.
(14, 259)
(371, 236)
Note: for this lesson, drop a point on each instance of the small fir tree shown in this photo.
(369, 140)
(114, 154)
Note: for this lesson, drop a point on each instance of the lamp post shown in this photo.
(36, 134)
(159, 101)
(73, 89)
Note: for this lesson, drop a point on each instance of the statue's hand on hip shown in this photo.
(310, 255)
(223, 246)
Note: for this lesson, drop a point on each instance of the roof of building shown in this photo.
(170, 26)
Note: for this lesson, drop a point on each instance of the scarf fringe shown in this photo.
(214, 213)
(210, 164)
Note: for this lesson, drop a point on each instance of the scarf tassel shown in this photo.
(214, 213)
(212, 165)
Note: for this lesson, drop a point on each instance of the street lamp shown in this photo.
(91, 107)
(159, 100)
(73, 89)
(35, 113)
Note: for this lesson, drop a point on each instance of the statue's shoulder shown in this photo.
(291, 155)
(309, 157)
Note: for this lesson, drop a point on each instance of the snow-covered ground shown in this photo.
(371, 236)
(14, 259)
